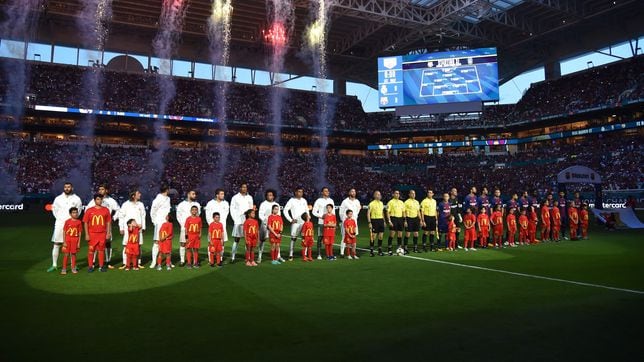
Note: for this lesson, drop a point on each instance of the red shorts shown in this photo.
(484, 233)
(584, 226)
(274, 240)
(328, 240)
(97, 241)
(470, 234)
(349, 240)
(132, 249)
(498, 231)
(251, 242)
(556, 227)
(70, 247)
(307, 242)
(194, 242)
(512, 231)
(215, 246)
(165, 246)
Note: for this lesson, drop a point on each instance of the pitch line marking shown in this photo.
(633, 291)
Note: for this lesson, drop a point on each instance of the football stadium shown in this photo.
(359, 180)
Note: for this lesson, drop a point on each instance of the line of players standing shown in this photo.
(482, 219)
(103, 210)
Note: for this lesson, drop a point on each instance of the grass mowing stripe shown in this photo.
(640, 292)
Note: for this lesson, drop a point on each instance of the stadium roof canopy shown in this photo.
(528, 33)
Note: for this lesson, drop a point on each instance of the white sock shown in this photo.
(261, 250)
(155, 254)
(342, 246)
(124, 257)
(94, 257)
(290, 250)
(55, 251)
(234, 250)
(108, 255)
(182, 254)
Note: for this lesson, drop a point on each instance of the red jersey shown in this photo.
(469, 220)
(133, 235)
(97, 219)
(545, 215)
(451, 229)
(165, 233)
(350, 227)
(523, 221)
(556, 216)
(165, 238)
(193, 226)
(497, 219)
(251, 230)
(584, 216)
(307, 231)
(533, 218)
(329, 231)
(72, 230)
(276, 223)
(484, 221)
(572, 215)
(512, 222)
(216, 231)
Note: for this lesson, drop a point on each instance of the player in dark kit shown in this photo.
(456, 212)
(444, 212)
(471, 201)
(563, 211)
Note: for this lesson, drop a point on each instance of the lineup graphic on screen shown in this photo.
(443, 77)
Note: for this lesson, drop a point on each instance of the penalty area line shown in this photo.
(633, 291)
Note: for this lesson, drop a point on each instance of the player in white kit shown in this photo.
(220, 205)
(293, 210)
(158, 211)
(319, 209)
(183, 211)
(132, 209)
(239, 204)
(353, 204)
(60, 210)
(114, 207)
(265, 209)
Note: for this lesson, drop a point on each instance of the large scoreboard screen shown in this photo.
(443, 77)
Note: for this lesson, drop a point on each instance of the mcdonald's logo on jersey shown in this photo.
(308, 232)
(350, 229)
(252, 229)
(164, 235)
(216, 234)
(277, 225)
(98, 220)
(193, 228)
(134, 238)
(72, 231)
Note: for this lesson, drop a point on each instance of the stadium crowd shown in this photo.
(60, 85)
(617, 158)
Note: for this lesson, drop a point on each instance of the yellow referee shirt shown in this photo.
(412, 208)
(428, 207)
(375, 210)
(395, 208)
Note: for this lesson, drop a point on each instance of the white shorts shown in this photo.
(126, 236)
(238, 231)
(296, 229)
(182, 235)
(157, 228)
(263, 232)
(58, 236)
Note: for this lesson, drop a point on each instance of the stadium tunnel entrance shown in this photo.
(581, 175)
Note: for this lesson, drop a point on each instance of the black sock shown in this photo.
(389, 241)
(398, 241)
(371, 245)
(415, 241)
(424, 239)
(379, 243)
(405, 241)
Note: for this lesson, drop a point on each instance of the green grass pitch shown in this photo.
(382, 308)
